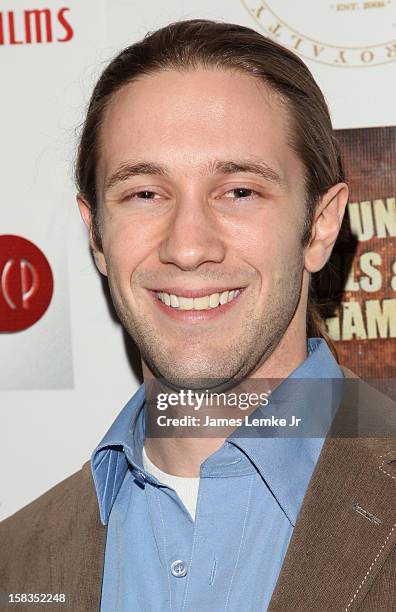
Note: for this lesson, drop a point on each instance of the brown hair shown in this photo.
(186, 45)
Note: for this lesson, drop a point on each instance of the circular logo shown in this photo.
(26, 283)
(343, 34)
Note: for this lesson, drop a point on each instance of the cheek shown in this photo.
(270, 245)
(126, 243)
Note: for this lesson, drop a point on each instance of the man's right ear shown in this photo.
(86, 214)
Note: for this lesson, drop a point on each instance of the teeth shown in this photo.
(186, 303)
(214, 300)
(202, 303)
(224, 297)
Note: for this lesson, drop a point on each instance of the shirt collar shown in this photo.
(122, 445)
(275, 458)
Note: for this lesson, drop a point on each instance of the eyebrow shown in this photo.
(127, 170)
(253, 167)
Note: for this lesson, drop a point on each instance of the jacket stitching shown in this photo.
(370, 568)
(382, 464)
(383, 545)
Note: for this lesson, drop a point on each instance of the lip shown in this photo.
(195, 315)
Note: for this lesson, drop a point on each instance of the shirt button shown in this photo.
(179, 568)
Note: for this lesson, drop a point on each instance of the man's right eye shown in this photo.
(144, 195)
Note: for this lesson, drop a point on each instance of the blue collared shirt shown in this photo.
(158, 559)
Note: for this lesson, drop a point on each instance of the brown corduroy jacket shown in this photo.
(341, 558)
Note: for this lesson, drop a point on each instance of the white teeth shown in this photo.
(224, 297)
(201, 303)
(186, 303)
(214, 300)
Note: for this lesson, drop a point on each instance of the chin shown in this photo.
(192, 379)
(180, 375)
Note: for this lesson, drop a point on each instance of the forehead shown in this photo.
(186, 119)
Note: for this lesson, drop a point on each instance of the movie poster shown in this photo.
(358, 289)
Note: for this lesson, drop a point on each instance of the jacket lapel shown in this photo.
(347, 523)
(77, 551)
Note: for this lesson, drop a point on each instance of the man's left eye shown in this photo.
(240, 193)
(146, 194)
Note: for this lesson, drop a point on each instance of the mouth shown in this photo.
(201, 304)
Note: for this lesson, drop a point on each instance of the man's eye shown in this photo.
(240, 193)
(144, 195)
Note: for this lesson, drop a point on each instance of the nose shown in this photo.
(193, 236)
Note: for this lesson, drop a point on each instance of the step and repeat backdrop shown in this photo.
(66, 367)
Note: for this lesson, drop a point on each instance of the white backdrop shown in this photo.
(63, 380)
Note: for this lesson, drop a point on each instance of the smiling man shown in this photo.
(197, 177)
(212, 188)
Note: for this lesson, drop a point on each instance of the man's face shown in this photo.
(202, 208)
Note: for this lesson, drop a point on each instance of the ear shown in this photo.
(326, 225)
(86, 214)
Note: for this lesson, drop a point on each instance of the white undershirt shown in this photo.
(186, 488)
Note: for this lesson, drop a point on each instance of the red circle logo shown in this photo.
(26, 283)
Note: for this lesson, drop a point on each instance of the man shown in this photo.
(212, 188)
